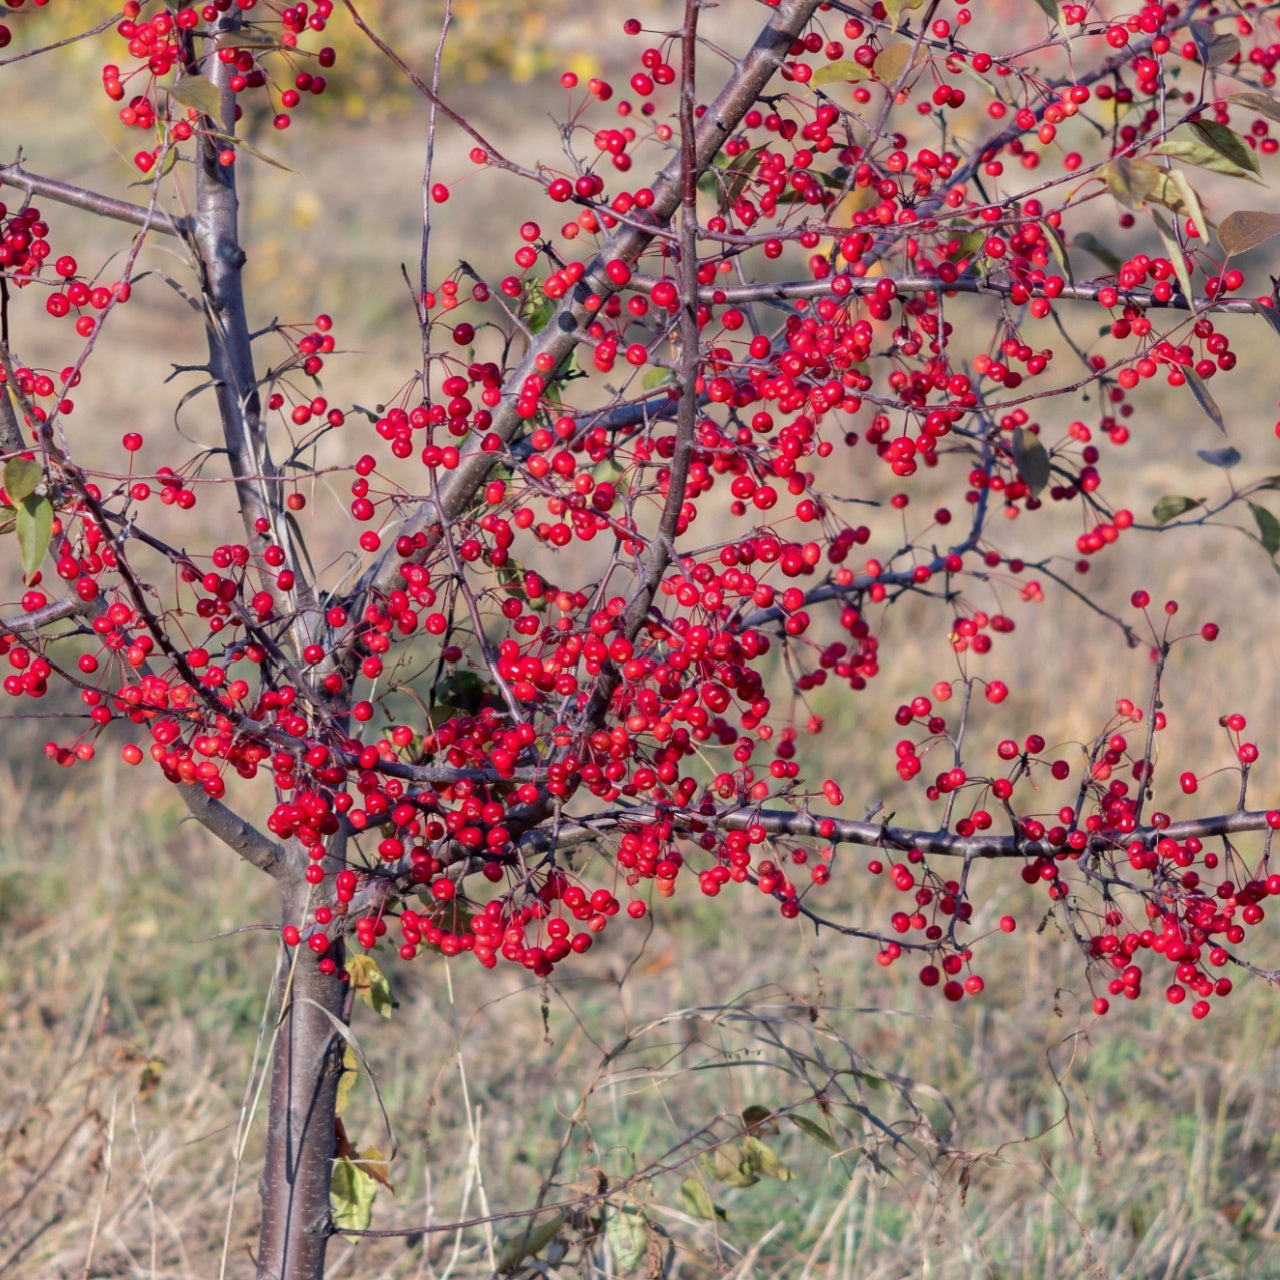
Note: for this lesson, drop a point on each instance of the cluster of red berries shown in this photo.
(81, 298)
(25, 252)
(24, 242)
(155, 45)
(1191, 926)
(546, 692)
(303, 406)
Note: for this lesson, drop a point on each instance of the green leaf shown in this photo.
(464, 691)
(538, 315)
(1227, 143)
(843, 70)
(1204, 399)
(1171, 506)
(196, 91)
(1032, 460)
(1174, 250)
(1246, 229)
(628, 1236)
(248, 147)
(347, 1080)
(1214, 49)
(870, 1079)
(1188, 202)
(655, 378)
(697, 1201)
(1224, 458)
(1268, 529)
(608, 471)
(239, 144)
(1090, 243)
(151, 1077)
(894, 8)
(1059, 249)
(1170, 188)
(529, 1242)
(511, 578)
(169, 163)
(967, 243)
(370, 984)
(537, 309)
(740, 169)
(1050, 8)
(1192, 151)
(815, 1131)
(22, 477)
(729, 1164)
(35, 530)
(351, 1193)
(1135, 183)
(763, 1160)
(1263, 103)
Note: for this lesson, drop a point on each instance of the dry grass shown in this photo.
(1144, 1147)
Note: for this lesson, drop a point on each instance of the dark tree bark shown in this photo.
(305, 1070)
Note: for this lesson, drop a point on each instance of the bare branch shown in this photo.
(844, 285)
(105, 25)
(11, 440)
(215, 236)
(55, 611)
(136, 215)
(804, 825)
(236, 833)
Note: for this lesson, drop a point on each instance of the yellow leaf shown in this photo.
(351, 1193)
(371, 1161)
(347, 1080)
(833, 71)
(1132, 181)
(1190, 203)
(894, 61)
(370, 984)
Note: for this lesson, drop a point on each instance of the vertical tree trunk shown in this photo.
(305, 1071)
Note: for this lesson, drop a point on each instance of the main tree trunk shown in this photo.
(305, 1069)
